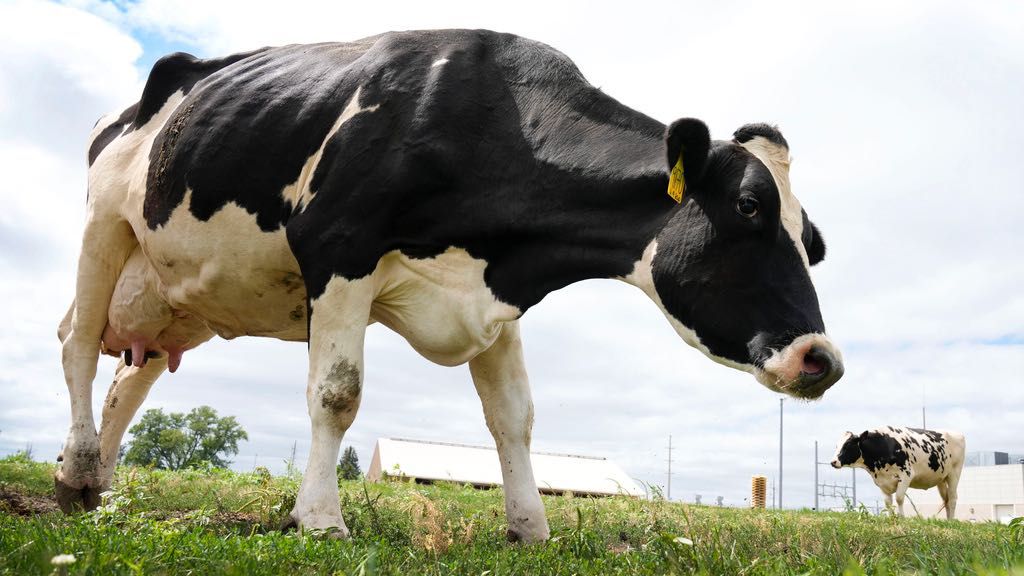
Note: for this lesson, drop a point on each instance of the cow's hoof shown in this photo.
(523, 537)
(288, 524)
(333, 532)
(73, 500)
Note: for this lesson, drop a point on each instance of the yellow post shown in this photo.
(758, 491)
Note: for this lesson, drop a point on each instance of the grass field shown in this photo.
(221, 522)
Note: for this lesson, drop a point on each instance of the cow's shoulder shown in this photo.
(881, 448)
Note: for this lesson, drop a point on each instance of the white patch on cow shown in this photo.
(102, 124)
(117, 178)
(775, 157)
(642, 277)
(298, 192)
(440, 62)
(239, 279)
(783, 367)
(440, 305)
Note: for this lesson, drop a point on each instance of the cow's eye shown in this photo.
(747, 206)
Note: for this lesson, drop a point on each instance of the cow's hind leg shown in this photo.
(130, 387)
(499, 374)
(338, 321)
(951, 483)
(105, 247)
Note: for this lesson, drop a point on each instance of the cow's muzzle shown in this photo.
(805, 368)
(836, 464)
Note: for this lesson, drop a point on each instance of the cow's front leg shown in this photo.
(901, 492)
(337, 326)
(888, 501)
(499, 374)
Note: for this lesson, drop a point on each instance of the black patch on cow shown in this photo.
(174, 72)
(933, 461)
(107, 135)
(930, 434)
(748, 132)
(880, 450)
(505, 151)
(850, 451)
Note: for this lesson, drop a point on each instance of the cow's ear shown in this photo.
(771, 133)
(816, 251)
(690, 137)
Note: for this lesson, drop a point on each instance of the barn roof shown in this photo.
(478, 465)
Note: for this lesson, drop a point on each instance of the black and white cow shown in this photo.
(438, 182)
(902, 458)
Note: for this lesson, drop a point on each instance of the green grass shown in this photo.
(220, 522)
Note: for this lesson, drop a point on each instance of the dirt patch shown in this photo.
(13, 501)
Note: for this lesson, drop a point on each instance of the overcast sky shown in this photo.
(906, 125)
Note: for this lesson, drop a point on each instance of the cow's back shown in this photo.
(416, 141)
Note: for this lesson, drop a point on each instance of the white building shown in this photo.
(986, 493)
(427, 461)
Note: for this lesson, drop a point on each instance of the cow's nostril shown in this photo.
(817, 362)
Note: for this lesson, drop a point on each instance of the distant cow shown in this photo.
(901, 458)
(440, 183)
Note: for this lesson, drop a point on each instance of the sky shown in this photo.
(906, 128)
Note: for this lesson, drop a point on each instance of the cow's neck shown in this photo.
(604, 198)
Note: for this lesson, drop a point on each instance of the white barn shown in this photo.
(427, 461)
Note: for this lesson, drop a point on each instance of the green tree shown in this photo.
(175, 441)
(348, 466)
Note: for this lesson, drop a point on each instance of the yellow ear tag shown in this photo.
(676, 182)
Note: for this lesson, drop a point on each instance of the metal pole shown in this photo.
(669, 484)
(815, 475)
(1022, 479)
(854, 471)
(780, 453)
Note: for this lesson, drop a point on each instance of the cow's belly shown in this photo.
(887, 478)
(238, 279)
(440, 305)
(927, 478)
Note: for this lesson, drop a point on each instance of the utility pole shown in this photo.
(669, 483)
(924, 421)
(780, 453)
(1022, 478)
(815, 475)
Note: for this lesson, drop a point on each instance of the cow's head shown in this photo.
(731, 267)
(848, 452)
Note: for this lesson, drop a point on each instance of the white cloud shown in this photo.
(906, 134)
